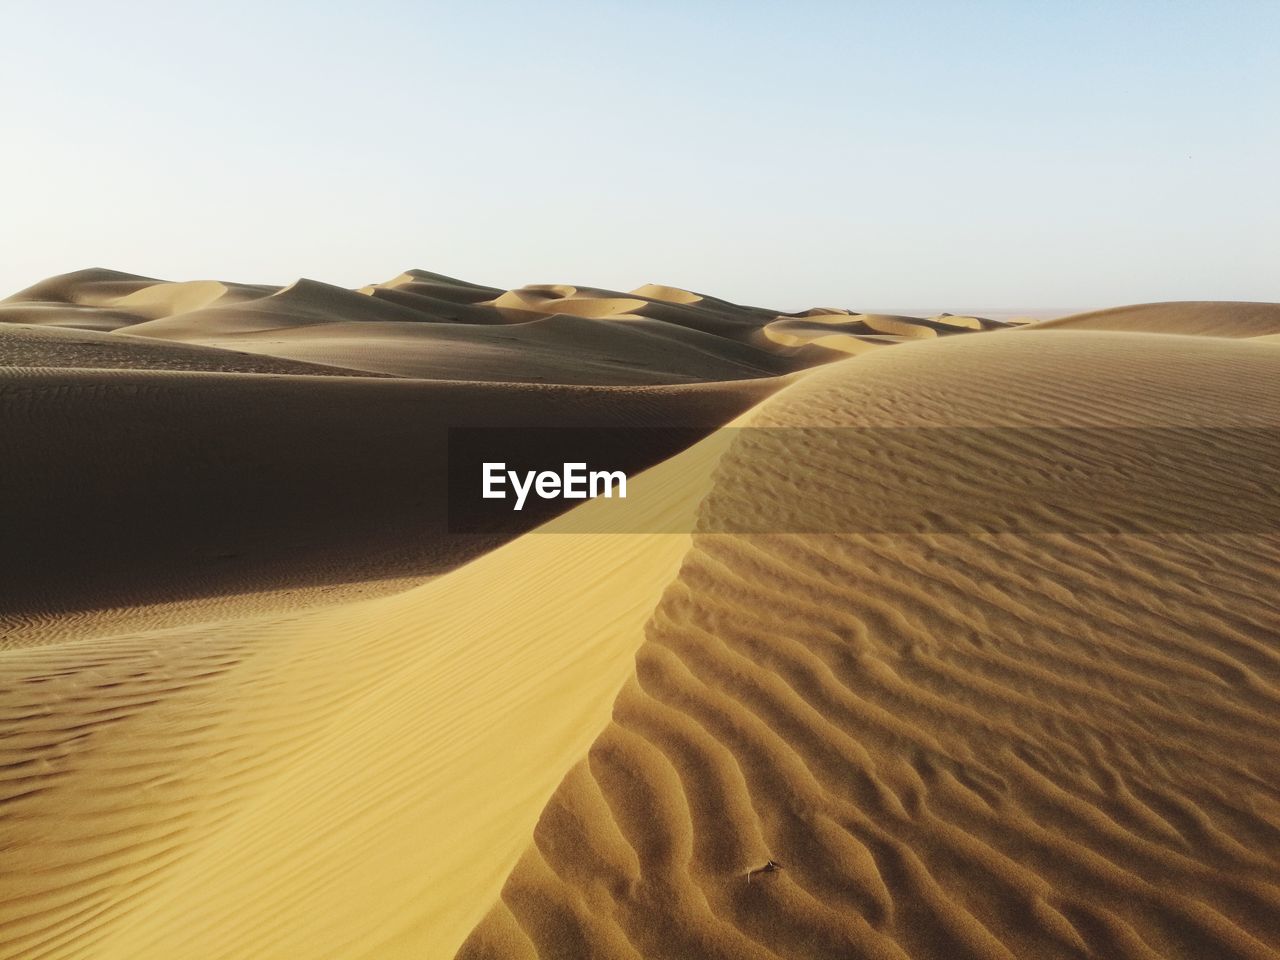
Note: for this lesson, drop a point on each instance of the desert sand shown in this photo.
(260, 701)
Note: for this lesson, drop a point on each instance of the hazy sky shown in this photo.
(939, 155)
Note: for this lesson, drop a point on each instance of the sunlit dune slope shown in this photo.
(1049, 745)
(1214, 318)
(93, 287)
(354, 782)
(847, 332)
(126, 297)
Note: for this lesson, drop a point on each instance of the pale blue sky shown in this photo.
(868, 155)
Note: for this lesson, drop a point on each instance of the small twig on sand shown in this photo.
(771, 866)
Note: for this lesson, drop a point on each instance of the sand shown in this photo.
(259, 702)
(957, 746)
(429, 326)
(198, 485)
(1213, 319)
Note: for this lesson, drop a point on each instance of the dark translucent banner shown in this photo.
(871, 480)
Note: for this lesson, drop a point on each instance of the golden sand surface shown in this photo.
(258, 702)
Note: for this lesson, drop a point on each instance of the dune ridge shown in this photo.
(197, 485)
(1053, 745)
(1191, 317)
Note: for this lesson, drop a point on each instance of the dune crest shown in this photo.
(1195, 318)
(1025, 745)
(658, 291)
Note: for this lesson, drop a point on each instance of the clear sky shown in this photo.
(941, 155)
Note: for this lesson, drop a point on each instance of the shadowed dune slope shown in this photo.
(957, 746)
(558, 348)
(1209, 318)
(143, 486)
(54, 346)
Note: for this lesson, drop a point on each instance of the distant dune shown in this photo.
(260, 701)
(428, 326)
(1210, 319)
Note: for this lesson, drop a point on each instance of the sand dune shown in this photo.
(858, 332)
(94, 287)
(260, 702)
(1202, 318)
(428, 326)
(957, 746)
